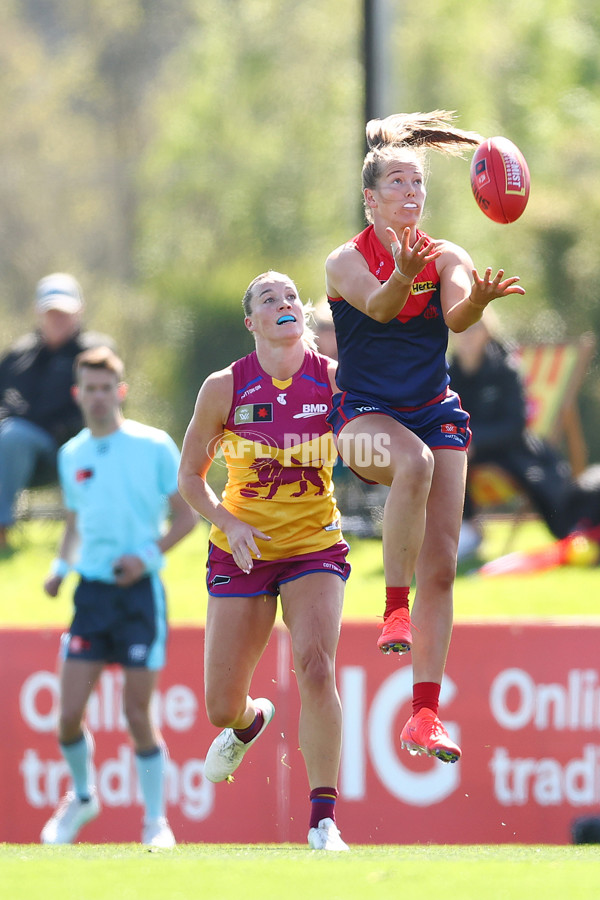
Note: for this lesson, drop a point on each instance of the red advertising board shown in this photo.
(522, 700)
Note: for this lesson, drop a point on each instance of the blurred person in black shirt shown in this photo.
(485, 374)
(37, 410)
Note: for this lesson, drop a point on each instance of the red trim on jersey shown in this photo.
(340, 410)
(424, 285)
(437, 399)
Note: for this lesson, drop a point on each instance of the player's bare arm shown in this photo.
(200, 444)
(182, 519)
(348, 276)
(465, 294)
(66, 554)
(331, 372)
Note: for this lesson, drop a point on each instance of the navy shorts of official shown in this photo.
(442, 424)
(113, 624)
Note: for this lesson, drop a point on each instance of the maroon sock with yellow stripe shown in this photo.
(248, 734)
(322, 805)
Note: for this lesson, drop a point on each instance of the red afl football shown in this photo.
(500, 180)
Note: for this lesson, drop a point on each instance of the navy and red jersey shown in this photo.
(402, 362)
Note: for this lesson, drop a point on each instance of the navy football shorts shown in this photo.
(125, 625)
(441, 424)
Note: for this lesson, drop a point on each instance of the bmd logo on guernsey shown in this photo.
(312, 409)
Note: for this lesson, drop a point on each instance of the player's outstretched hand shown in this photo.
(486, 289)
(410, 261)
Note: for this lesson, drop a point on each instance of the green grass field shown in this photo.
(567, 591)
(125, 872)
(128, 872)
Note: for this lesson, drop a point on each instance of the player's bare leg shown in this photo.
(237, 633)
(403, 462)
(312, 609)
(432, 608)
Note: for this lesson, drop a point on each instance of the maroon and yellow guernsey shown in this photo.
(280, 453)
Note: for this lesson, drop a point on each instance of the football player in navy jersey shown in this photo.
(394, 294)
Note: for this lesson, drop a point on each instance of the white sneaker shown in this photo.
(157, 833)
(227, 751)
(326, 837)
(70, 817)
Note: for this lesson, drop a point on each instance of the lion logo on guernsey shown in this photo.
(273, 475)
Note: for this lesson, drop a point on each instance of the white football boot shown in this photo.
(157, 833)
(326, 836)
(227, 751)
(70, 817)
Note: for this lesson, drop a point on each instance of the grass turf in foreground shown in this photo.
(128, 871)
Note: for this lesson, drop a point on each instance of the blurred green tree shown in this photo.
(532, 73)
(249, 169)
(168, 152)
